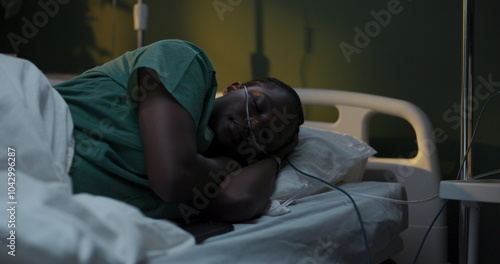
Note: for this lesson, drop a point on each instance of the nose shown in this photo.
(260, 130)
(257, 122)
(253, 128)
(253, 124)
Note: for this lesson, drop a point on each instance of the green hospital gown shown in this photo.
(103, 101)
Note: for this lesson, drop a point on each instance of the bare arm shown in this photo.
(175, 170)
(245, 193)
(254, 182)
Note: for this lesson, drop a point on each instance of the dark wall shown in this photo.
(409, 50)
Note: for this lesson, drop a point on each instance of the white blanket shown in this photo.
(44, 222)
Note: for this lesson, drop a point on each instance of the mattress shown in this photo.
(321, 228)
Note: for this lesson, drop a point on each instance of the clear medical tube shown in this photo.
(296, 194)
(249, 120)
(360, 219)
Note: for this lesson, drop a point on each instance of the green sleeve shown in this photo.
(185, 71)
(183, 68)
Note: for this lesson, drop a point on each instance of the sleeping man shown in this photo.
(144, 130)
(149, 131)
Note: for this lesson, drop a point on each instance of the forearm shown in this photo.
(245, 193)
(196, 175)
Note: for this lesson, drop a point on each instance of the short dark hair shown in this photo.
(273, 83)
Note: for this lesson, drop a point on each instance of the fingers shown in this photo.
(288, 148)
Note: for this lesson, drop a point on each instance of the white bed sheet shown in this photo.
(320, 229)
(45, 222)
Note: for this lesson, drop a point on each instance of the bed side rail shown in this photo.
(355, 110)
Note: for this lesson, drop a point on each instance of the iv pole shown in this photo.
(469, 191)
(469, 211)
(140, 21)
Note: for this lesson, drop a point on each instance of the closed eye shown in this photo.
(256, 106)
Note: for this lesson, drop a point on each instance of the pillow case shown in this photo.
(331, 156)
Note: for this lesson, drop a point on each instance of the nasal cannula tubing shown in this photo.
(292, 198)
(368, 255)
(329, 185)
(360, 219)
(250, 122)
(356, 194)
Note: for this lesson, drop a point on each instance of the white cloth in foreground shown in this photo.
(44, 222)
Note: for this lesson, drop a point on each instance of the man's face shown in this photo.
(272, 122)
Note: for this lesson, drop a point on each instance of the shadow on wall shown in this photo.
(259, 61)
(55, 35)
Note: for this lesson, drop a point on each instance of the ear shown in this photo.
(232, 87)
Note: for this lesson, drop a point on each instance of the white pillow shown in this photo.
(331, 156)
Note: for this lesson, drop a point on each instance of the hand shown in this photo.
(287, 149)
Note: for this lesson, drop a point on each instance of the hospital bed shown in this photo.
(321, 225)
